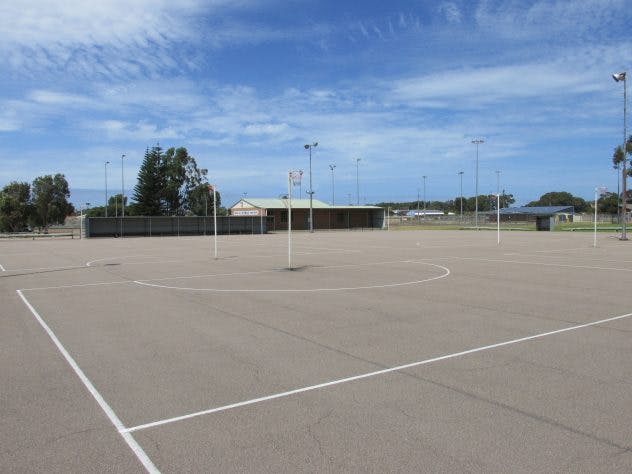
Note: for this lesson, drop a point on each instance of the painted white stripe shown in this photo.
(2, 268)
(524, 262)
(44, 268)
(370, 374)
(301, 290)
(129, 439)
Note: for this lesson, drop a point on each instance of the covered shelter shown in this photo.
(326, 217)
(545, 217)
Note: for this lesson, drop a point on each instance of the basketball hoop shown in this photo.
(295, 177)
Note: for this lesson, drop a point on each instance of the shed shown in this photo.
(325, 215)
(545, 216)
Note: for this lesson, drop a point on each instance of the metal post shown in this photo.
(498, 217)
(122, 196)
(477, 142)
(595, 231)
(461, 193)
(311, 191)
(424, 177)
(622, 77)
(497, 181)
(106, 188)
(358, 178)
(333, 196)
(215, 217)
(289, 221)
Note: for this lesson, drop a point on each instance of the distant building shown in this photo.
(325, 216)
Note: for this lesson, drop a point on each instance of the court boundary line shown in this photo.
(109, 412)
(521, 262)
(367, 375)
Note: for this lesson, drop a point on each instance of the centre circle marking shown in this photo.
(446, 272)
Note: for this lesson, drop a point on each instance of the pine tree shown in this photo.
(148, 192)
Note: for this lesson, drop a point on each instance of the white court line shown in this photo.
(185, 277)
(494, 260)
(304, 290)
(129, 439)
(74, 267)
(369, 374)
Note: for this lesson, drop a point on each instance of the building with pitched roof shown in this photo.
(275, 211)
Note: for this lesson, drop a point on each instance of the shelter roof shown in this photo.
(277, 203)
(537, 210)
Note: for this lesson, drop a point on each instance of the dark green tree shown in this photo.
(50, 200)
(15, 207)
(561, 198)
(200, 200)
(149, 190)
(608, 203)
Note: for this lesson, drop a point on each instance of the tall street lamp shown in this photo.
(620, 77)
(460, 173)
(477, 142)
(311, 192)
(332, 167)
(122, 190)
(424, 177)
(106, 188)
(358, 179)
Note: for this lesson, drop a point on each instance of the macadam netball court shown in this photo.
(420, 351)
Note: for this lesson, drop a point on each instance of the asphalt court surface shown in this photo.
(381, 351)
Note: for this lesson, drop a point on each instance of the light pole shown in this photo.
(358, 179)
(424, 177)
(460, 173)
(620, 77)
(122, 193)
(311, 192)
(332, 167)
(477, 142)
(106, 188)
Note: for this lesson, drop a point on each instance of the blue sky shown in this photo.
(243, 85)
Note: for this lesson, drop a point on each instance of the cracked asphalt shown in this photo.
(240, 365)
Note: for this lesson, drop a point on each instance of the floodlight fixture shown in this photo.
(619, 76)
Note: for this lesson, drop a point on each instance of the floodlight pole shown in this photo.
(311, 192)
(461, 192)
(215, 217)
(289, 220)
(621, 77)
(122, 196)
(477, 142)
(106, 188)
(424, 177)
(358, 179)
(332, 167)
(498, 218)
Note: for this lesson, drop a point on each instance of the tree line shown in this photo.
(169, 183)
(607, 203)
(485, 203)
(37, 205)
